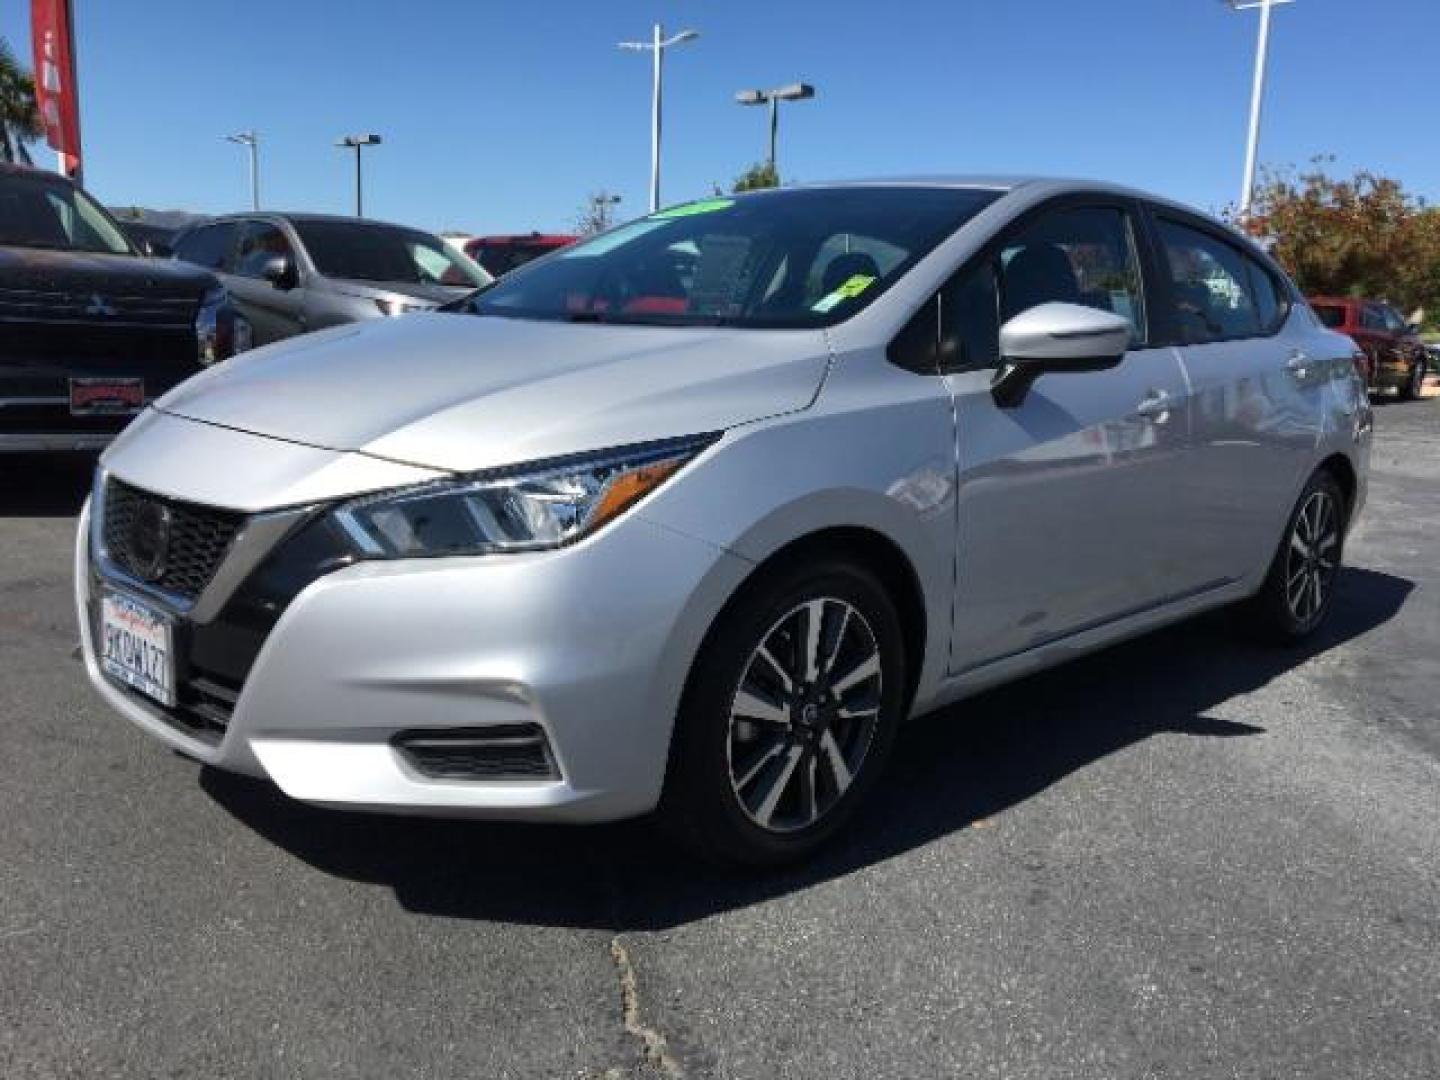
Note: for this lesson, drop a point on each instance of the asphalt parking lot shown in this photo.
(1188, 857)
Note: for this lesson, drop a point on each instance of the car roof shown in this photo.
(304, 215)
(19, 168)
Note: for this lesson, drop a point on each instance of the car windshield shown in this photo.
(363, 251)
(46, 212)
(796, 258)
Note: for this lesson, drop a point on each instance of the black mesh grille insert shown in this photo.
(199, 538)
(502, 752)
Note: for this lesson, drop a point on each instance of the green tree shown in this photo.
(760, 175)
(19, 116)
(1358, 236)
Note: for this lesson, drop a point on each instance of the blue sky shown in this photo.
(501, 117)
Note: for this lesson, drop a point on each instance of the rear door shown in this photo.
(1255, 395)
(275, 313)
(1066, 498)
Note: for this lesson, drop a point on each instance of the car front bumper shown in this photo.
(592, 643)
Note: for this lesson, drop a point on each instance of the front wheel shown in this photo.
(1415, 384)
(1300, 586)
(789, 716)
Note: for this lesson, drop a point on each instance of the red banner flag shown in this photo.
(55, 90)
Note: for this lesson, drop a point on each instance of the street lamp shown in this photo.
(657, 44)
(1257, 94)
(250, 140)
(356, 142)
(793, 92)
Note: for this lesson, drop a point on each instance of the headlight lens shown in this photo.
(220, 331)
(544, 507)
(393, 309)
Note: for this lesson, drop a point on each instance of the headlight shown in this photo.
(392, 309)
(542, 507)
(220, 331)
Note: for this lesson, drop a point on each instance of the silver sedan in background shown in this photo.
(690, 516)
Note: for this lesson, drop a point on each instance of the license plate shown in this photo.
(136, 647)
(106, 396)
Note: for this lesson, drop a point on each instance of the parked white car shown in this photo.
(692, 515)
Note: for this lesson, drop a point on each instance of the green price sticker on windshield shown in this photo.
(851, 288)
(704, 206)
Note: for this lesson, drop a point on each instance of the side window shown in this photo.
(259, 242)
(1269, 301)
(1214, 297)
(1081, 256)
(1370, 318)
(1393, 322)
(207, 246)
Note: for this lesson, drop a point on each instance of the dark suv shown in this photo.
(89, 330)
(1395, 356)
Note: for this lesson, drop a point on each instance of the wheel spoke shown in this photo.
(809, 791)
(778, 783)
(833, 653)
(839, 770)
(1299, 545)
(752, 705)
(1328, 541)
(866, 669)
(786, 681)
(814, 623)
(775, 750)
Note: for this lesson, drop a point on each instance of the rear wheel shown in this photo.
(789, 717)
(1300, 587)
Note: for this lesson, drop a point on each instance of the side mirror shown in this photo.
(157, 250)
(279, 271)
(1056, 338)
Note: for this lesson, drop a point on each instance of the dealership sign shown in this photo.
(52, 25)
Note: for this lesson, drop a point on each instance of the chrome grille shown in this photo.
(199, 538)
(99, 308)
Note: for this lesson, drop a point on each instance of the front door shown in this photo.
(1066, 498)
(275, 313)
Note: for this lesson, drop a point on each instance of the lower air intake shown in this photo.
(502, 752)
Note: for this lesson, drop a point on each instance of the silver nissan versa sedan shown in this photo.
(690, 516)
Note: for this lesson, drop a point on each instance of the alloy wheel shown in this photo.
(804, 715)
(1313, 557)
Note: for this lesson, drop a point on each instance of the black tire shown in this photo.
(1286, 610)
(707, 803)
(1415, 384)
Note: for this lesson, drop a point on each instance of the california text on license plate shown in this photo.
(135, 647)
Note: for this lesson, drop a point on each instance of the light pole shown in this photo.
(251, 141)
(1257, 94)
(793, 92)
(657, 45)
(356, 143)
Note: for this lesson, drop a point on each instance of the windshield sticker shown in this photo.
(704, 206)
(852, 288)
(609, 241)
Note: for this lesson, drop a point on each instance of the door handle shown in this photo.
(1298, 364)
(1156, 406)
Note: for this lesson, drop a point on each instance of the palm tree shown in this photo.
(19, 115)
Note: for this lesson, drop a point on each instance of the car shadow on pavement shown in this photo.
(950, 770)
(50, 486)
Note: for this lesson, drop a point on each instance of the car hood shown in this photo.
(75, 272)
(384, 290)
(462, 393)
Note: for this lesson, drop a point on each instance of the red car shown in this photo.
(1394, 354)
(501, 254)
